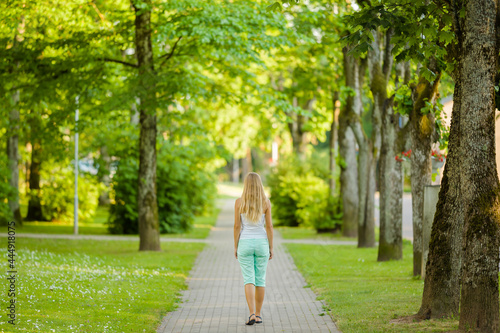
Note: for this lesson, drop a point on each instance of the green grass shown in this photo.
(309, 233)
(363, 295)
(95, 286)
(201, 227)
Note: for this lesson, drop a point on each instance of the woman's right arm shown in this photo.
(237, 226)
(269, 228)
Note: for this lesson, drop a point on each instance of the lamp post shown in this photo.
(75, 231)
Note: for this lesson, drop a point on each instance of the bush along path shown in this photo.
(215, 299)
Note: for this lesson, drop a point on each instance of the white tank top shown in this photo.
(251, 230)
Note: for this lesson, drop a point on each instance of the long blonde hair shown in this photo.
(253, 199)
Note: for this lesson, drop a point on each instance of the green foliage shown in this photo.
(443, 132)
(57, 194)
(301, 198)
(185, 188)
(5, 191)
(403, 101)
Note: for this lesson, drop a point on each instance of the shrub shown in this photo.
(300, 198)
(185, 188)
(57, 194)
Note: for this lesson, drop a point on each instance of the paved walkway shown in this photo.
(215, 300)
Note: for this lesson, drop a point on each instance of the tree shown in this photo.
(149, 229)
(466, 222)
(479, 185)
(394, 141)
(423, 134)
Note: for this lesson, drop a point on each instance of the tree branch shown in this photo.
(119, 62)
(169, 55)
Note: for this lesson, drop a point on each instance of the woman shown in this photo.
(253, 242)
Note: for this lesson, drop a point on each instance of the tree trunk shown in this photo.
(246, 164)
(13, 156)
(422, 134)
(248, 160)
(331, 143)
(442, 273)
(149, 230)
(299, 137)
(391, 177)
(347, 148)
(105, 179)
(235, 172)
(479, 308)
(366, 211)
(379, 74)
(391, 190)
(34, 205)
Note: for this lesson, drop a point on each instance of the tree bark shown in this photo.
(394, 141)
(422, 134)
(391, 189)
(149, 230)
(34, 204)
(479, 308)
(347, 148)
(442, 273)
(331, 143)
(296, 128)
(13, 156)
(379, 74)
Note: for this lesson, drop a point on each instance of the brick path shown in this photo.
(215, 300)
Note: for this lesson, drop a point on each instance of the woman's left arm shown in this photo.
(237, 226)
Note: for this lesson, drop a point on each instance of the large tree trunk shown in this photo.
(479, 308)
(391, 190)
(442, 273)
(13, 156)
(422, 133)
(149, 230)
(347, 148)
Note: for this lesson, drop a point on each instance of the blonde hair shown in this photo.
(253, 199)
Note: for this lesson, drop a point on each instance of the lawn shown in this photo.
(362, 294)
(200, 230)
(309, 233)
(95, 286)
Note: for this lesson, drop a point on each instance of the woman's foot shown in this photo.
(251, 320)
(258, 319)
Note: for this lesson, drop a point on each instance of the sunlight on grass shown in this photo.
(364, 295)
(97, 286)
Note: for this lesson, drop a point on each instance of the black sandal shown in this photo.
(259, 322)
(252, 321)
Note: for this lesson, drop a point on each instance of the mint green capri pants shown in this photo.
(253, 255)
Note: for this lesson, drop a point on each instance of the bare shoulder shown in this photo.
(237, 202)
(268, 205)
